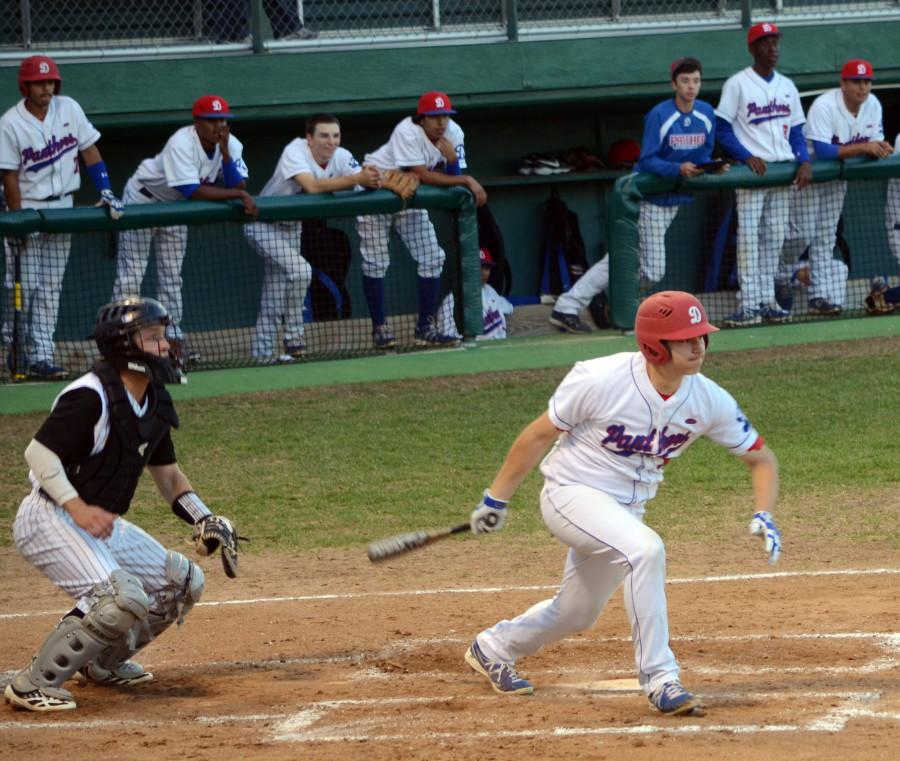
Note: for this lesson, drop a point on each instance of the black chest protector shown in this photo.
(109, 479)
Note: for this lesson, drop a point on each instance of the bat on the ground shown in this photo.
(392, 546)
(17, 362)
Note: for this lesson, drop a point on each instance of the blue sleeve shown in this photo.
(798, 143)
(728, 140)
(230, 174)
(650, 160)
(99, 176)
(826, 151)
(187, 190)
(453, 169)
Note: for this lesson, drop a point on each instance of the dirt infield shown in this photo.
(324, 656)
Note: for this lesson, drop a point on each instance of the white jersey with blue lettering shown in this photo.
(619, 432)
(409, 146)
(297, 158)
(45, 152)
(184, 161)
(762, 113)
(829, 121)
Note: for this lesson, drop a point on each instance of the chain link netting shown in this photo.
(136, 24)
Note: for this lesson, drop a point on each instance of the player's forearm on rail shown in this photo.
(312, 184)
(212, 193)
(439, 178)
(523, 456)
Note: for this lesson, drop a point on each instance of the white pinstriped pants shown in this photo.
(608, 544)
(48, 538)
(762, 227)
(653, 222)
(415, 230)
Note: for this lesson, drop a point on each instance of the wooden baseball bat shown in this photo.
(17, 362)
(391, 546)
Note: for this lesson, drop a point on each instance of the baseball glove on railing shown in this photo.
(214, 532)
(404, 184)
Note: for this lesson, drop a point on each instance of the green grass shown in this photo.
(337, 466)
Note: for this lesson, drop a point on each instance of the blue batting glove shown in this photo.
(115, 206)
(764, 525)
(489, 515)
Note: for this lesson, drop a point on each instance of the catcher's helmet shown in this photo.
(38, 68)
(624, 154)
(115, 331)
(669, 316)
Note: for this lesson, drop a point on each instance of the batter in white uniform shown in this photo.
(759, 120)
(195, 160)
(40, 140)
(616, 421)
(315, 165)
(841, 123)
(431, 145)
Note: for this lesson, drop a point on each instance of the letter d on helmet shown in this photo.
(669, 316)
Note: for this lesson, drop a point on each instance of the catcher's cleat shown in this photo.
(40, 699)
(568, 323)
(673, 700)
(125, 674)
(502, 676)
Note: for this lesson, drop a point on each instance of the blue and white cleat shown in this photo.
(502, 676)
(673, 700)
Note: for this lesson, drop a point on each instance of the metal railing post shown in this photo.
(745, 13)
(256, 25)
(26, 22)
(512, 20)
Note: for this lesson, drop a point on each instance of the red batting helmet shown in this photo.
(38, 68)
(669, 316)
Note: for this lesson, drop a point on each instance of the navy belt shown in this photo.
(50, 198)
(146, 193)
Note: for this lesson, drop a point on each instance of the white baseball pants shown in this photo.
(286, 279)
(48, 538)
(416, 232)
(135, 246)
(592, 282)
(763, 215)
(815, 211)
(608, 544)
(653, 222)
(892, 217)
(43, 260)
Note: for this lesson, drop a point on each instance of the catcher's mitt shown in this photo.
(404, 184)
(214, 532)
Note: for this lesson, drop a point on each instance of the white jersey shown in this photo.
(297, 158)
(892, 210)
(619, 432)
(762, 113)
(495, 308)
(45, 153)
(184, 161)
(409, 146)
(829, 121)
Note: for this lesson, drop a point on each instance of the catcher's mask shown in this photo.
(116, 333)
(669, 316)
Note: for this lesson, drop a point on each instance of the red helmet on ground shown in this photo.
(624, 153)
(669, 316)
(38, 68)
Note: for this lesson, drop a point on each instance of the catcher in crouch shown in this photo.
(429, 148)
(85, 460)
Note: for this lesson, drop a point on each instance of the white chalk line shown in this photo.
(889, 641)
(497, 590)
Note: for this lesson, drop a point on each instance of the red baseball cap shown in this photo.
(684, 63)
(486, 259)
(857, 69)
(211, 107)
(758, 31)
(434, 104)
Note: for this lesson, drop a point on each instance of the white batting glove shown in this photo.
(763, 525)
(115, 206)
(489, 515)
